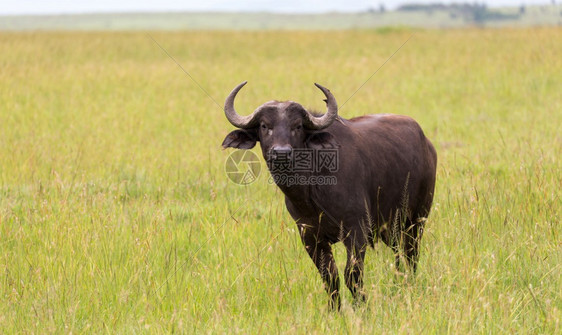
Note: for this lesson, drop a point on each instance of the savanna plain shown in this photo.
(116, 214)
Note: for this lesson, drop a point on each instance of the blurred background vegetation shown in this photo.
(415, 15)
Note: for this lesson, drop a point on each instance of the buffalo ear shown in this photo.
(321, 140)
(240, 139)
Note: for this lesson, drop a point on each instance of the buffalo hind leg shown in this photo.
(354, 269)
(321, 254)
(411, 242)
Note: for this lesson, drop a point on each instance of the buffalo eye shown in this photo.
(299, 127)
(266, 129)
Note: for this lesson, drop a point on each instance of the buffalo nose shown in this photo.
(281, 152)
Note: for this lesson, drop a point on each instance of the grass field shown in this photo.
(116, 214)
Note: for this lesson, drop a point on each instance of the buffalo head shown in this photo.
(280, 126)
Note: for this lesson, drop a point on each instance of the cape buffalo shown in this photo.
(381, 172)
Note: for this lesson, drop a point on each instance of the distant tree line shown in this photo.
(478, 13)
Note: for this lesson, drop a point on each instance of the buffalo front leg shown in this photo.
(321, 253)
(354, 269)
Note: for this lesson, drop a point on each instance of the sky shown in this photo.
(14, 7)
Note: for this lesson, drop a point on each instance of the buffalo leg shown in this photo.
(321, 254)
(354, 269)
(411, 243)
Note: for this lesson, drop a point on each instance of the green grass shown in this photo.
(116, 214)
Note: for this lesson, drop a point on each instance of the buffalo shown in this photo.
(355, 181)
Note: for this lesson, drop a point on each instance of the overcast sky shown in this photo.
(295, 6)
